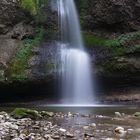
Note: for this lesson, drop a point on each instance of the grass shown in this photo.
(20, 62)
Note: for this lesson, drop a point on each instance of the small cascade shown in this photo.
(75, 70)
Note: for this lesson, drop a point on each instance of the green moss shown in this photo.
(34, 7)
(124, 40)
(137, 114)
(31, 6)
(117, 45)
(92, 39)
(25, 113)
(20, 62)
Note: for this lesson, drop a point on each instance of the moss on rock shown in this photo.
(120, 45)
(137, 114)
(30, 113)
(31, 6)
(17, 70)
(25, 113)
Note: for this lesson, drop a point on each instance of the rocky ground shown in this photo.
(35, 125)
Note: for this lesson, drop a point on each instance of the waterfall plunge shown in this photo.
(75, 71)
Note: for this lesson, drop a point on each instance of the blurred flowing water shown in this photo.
(75, 69)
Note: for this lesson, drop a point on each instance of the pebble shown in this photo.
(120, 132)
(86, 127)
(62, 130)
(88, 135)
(55, 137)
(70, 114)
(118, 114)
(22, 136)
(16, 139)
(93, 125)
(68, 134)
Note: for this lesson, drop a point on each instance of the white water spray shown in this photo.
(75, 71)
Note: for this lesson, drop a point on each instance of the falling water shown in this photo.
(75, 68)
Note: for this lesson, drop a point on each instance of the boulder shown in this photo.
(137, 114)
(26, 113)
(47, 114)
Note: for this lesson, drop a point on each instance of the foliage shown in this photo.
(124, 40)
(92, 39)
(117, 45)
(31, 6)
(34, 7)
(19, 65)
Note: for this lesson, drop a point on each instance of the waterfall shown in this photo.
(75, 69)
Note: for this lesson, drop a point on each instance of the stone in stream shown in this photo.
(16, 139)
(68, 134)
(70, 114)
(47, 114)
(22, 136)
(118, 114)
(89, 135)
(93, 125)
(120, 132)
(86, 127)
(55, 137)
(48, 137)
(137, 114)
(62, 130)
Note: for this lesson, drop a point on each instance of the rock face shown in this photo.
(113, 15)
(8, 48)
(109, 16)
(10, 14)
(125, 67)
(14, 27)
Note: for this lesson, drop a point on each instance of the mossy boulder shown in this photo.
(137, 114)
(26, 113)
